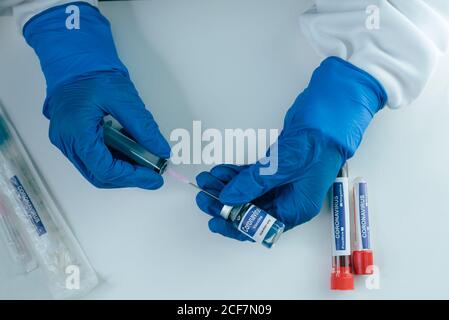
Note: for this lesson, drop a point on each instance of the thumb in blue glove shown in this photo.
(321, 131)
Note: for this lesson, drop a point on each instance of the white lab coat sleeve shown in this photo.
(398, 42)
(24, 10)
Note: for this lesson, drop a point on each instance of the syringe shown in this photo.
(117, 140)
(17, 247)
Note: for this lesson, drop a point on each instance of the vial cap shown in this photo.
(342, 279)
(225, 211)
(363, 262)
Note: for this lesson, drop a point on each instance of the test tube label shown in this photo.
(340, 217)
(362, 203)
(28, 205)
(256, 223)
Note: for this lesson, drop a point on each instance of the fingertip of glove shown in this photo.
(148, 179)
(200, 199)
(223, 227)
(162, 148)
(208, 204)
(153, 185)
(213, 225)
(232, 195)
(165, 149)
(225, 172)
(202, 179)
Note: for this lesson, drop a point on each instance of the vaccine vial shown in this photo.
(254, 222)
(341, 276)
(362, 253)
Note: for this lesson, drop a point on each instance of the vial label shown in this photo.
(363, 220)
(340, 217)
(256, 223)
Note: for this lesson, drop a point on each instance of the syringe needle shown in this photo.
(183, 179)
(202, 190)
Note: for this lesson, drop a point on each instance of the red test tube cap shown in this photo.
(342, 279)
(363, 262)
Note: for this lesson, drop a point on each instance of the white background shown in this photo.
(231, 64)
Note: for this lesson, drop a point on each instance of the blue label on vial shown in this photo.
(338, 208)
(252, 220)
(28, 205)
(364, 221)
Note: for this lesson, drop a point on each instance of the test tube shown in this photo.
(115, 139)
(362, 254)
(341, 276)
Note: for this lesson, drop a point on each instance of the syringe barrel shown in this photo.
(115, 139)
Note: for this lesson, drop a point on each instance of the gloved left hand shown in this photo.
(322, 129)
(86, 81)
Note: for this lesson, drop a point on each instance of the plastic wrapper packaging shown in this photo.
(31, 226)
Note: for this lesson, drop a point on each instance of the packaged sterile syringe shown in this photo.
(35, 231)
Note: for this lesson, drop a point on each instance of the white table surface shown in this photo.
(232, 64)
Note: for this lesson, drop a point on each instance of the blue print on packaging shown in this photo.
(364, 221)
(338, 208)
(28, 205)
(252, 220)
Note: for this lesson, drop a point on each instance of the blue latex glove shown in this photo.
(86, 81)
(322, 129)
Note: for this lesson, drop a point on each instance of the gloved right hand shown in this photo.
(86, 81)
